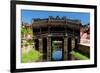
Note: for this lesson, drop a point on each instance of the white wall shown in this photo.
(5, 37)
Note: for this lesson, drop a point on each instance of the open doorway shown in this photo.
(36, 44)
(69, 48)
(44, 49)
(57, 48)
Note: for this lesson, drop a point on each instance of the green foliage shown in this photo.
(54, 46)
(79, 56)
(30, 42)
(31, 56)
(25, 31)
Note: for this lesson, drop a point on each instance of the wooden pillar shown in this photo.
(48, 48)
(65, 48)
(41, 48)
(73, 47)
(73, 43)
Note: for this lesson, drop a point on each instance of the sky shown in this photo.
(28, 15)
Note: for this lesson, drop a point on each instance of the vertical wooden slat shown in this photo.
(48, 48)
(65, 48)
(40, 48)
